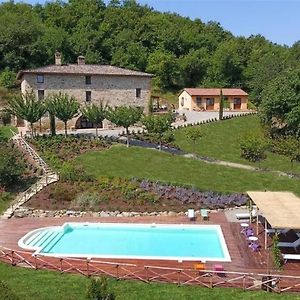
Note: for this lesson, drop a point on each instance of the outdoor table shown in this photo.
(244, 227)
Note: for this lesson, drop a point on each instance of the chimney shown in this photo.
(81, 60)
(57, 58)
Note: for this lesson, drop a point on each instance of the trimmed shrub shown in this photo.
(98, 290)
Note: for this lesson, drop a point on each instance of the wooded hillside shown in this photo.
(181, 52)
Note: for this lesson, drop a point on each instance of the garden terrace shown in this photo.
(58, 148)
(117, 194)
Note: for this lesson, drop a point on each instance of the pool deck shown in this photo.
(243, 258)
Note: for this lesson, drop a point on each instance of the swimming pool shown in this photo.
(139, 241)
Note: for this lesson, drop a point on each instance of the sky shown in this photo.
(277, 20)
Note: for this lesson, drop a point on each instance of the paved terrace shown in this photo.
(243, 258)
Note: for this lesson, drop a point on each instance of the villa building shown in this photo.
(202, 99)
(88, 84)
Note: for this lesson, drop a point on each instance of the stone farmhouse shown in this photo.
(88, 84)
(202, 99)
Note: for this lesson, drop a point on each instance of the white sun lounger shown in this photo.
(287, 257)
(294, 244)
(246, 215)
(191, 214)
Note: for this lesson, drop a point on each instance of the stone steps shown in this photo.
(49, 177)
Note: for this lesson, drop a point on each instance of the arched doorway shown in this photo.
(84, 123)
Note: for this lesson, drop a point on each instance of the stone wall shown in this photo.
(114, 90)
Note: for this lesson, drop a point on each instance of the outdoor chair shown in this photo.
(254, 247)
(248, 232)
(191, 214)
(200, 267)
(204, 214)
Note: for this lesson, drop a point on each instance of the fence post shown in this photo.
(12, 258)
(87, 267)
(211, 280)
(244, 282)
(117, 266)
(147, 275)
(35, 262)
(61, 265)
(179, 271)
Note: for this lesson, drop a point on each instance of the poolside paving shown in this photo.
(243, 258)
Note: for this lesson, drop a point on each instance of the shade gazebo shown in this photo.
(280, 209)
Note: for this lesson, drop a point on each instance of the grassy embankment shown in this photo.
(221, 140)
(154, 165)
(50, 285)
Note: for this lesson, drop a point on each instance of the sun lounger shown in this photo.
(191, 214)
(282, 231)
(241, 216)
(204, 214)
(294, 244)
(287, 257)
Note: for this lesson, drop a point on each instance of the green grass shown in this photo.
(5, 131)
(221, 140)
(5, 200)
(154, 165)
(47, 285)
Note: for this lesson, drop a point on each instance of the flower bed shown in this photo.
(58, 148)
(123, 195)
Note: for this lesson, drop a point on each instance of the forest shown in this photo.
(180, 52)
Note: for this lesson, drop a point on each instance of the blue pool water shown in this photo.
(191, 242)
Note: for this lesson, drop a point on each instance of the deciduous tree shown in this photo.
(95, 114)
(26, 107)
(65, 107)
(158, 125)
(125, 116)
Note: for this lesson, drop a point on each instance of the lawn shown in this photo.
(5, 131)
(154, 165)
(221, 140)
(31, 285)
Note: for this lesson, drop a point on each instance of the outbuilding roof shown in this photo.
(281, 209)
(215, 92)
(83, 69)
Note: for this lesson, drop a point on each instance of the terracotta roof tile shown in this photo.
(214, 92)
(83, 70)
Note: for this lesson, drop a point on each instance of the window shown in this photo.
(88, 79)
(41, 94)
(210, 101)
(182, 101)
(237, 101)
(198, 100)
(40, 78)
(138, 93)
(88, 96)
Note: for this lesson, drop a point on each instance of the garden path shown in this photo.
(48, 177)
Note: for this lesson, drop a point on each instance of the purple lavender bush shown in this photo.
(210, 200)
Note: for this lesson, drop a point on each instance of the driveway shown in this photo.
(200, 116)
(192, 117)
